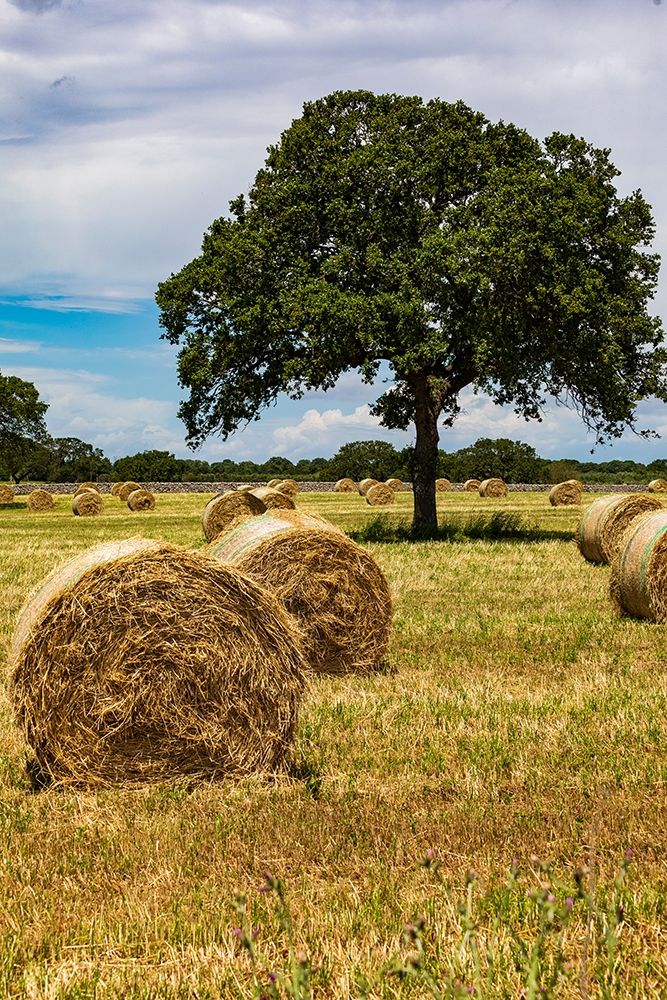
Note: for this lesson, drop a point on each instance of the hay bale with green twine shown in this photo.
(565, 494)
(6, 493)
(226, 507)
(658, 486)
(472, 485)
(365, 485)
(129, 487)
(443, 486)
(333, 587)
(493, 488)
(638, 581)
(40, 500)
(345, 485)
(88, 503)
(274, 498)
(603, 523)
(139, 500)
(380, 495)
(140, 661)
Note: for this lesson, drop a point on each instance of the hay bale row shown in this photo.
(603, 524)
(333, 587)
(565, 494)
(493, 488)
(40, 500)
(6, 493)
(638, 583)
(141, 661)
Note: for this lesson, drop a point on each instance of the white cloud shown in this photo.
(8, 346)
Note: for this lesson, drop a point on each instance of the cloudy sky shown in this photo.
(126, 127)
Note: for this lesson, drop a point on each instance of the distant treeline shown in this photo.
(69, 460)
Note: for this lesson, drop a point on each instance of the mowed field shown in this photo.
(486, 818)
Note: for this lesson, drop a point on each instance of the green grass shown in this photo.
(519, 733)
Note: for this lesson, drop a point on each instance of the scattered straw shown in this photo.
(565, 494)
(87, 504)
(493, 488)
(365, 485)
(126, 489)
(603, 523)
(472, 485)
(333, 586)
(658, 486)
(141, 500)
(443, 486)
(380, 495)
(345, 486)
(6, 493)
(274, 498)
(40, 500)
(638, 582)
(219, 512)
(140, 661)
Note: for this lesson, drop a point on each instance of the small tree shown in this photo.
(513, 461)
(22, 428)
(460, 252)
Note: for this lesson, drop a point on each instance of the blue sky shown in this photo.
(126, 127)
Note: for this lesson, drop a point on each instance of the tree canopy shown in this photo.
(462, 252)
(22, 427)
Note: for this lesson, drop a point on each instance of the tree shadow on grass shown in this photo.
(505, 526)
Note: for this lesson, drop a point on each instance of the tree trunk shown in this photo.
(425, 457)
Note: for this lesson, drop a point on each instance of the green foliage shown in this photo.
(512, 461)
(366, 460)
(22, 427)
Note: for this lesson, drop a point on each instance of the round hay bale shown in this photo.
(472, 485)
(141, 500)
(116, 488)
(272, 483)
(493, 488)
(274, 498)
(345, 486)
(443, 486)
(245, 487)
(658, 486)
(6, 493)
(140, 661)
(40, 500)
(86, 486)
(638, 582)
(565, 494)
(332, 586)
(380, 495)
(603, 523)
(365, 485)
(224, 508)
(397, 485)
(289, 486)
(127, 488)
(89, 503)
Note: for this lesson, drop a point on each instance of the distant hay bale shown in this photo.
(565, 494)
(116, 488)
(289, 486)
(493, 488)
(472, 485)
(272, 483)
(345, 486)
(141, 500)
(603, 523)
(396, 485)
(89, 503)
(443, 486)
(380, 495)
(126, 489)
(224, 508)
(658, 486)
(40, 500)
(86, 486)
(274, 498)
(245, 487)
(333, 586)
(365, 485)
(638, 582)
(6, 493)
(140, 661)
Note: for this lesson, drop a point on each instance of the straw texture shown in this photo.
(141, 500)
(638, 582)
(345, 486)
(493, 488)
(224, 508)
(565, 494)
(472, 485)
(443, 486)
(289, 486)
(603, 523)
(140, 661)
(365, 485)
(380, 495)
(126, 489)
(6, 493)
(274, 498)
(658, 486)
(40, 500)
(116, 488)
(86, 486)
(88, 503)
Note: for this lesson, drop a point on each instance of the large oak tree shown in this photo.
(459, 251)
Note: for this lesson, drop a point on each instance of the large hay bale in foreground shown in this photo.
(141, 661)
(141, 500)
(565, 494)
(603, 523)
(333, 586)
(365, 485)
(289, 486)
(6, 493)
(638, 582)
(345, 486)
(116, 488)
(127, 488)
(88, 503)
(472, 485)
(40, 500)
(224, 508)
(82, 487)
(274, 498)
(443, 486)
(658, 486)
(380, 495)
(493, 488)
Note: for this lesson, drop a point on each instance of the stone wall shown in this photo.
(24, 488)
